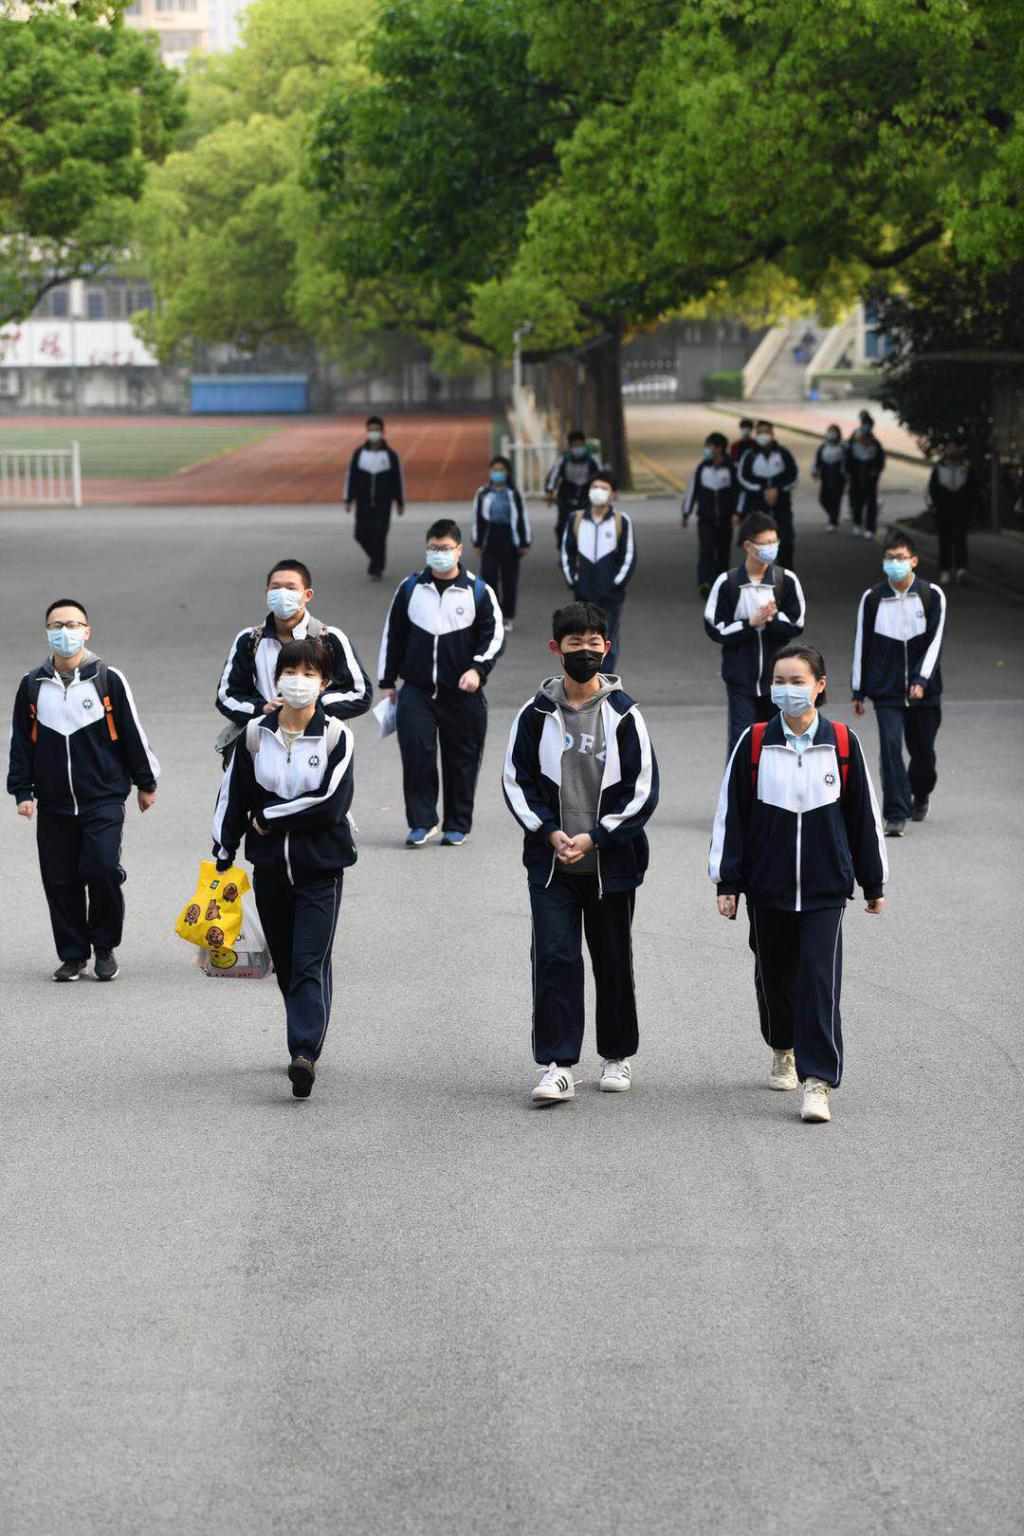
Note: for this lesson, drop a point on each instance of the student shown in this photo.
(744, 442)
(751, 612)
(796, 824)
(768, 476)
(830, 472)
(77, 747)
(246, 689)
(568, 479)
(501, 531)
(443, 634)
(952, 495)
(865, 461)
(599, 556)
(288, 792)
(581, 779)
(897, 651)
(714, 492)
(374, 483)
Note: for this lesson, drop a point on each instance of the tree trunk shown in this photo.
(604, 415)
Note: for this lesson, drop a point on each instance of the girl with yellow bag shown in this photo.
(288, 792)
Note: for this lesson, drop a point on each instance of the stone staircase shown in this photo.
(784, 379)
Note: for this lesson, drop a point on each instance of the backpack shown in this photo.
(578, 519)
(733, 585)
(229, 734)
(479, 587)
(100, 681)
(875, 596)
(842, 752)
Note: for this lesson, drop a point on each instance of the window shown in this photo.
(95, 307)
(60, 301)
(135, 9)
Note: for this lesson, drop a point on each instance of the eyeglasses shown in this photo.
(65, 623)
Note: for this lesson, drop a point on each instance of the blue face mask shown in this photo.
(578, 450)
(441, 560)
(283, 602)
(709, 453)
(498, 476)
(896, 570)
(66, 642)
(791, 700)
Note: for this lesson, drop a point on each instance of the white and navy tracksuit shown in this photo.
(865, 462)
(714, 494)
(597, 564)
(899, 644)
(300, 797)
(567, 481)
(793, 841)
(601, 903)
(433, 633)
(501, 531)
(830, 472)
(952, 496)
(77, 753)
(247, 682)
(374, 481)
(771, 469)
(748, 653)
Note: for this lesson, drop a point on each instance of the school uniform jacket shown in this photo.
(830, 465)
(748, 652)
(899, 643)
(864, 462)
(797, 844)
(302, 803)
(568, 478)
(430, 637)
(519, 527)
(714, 491)
(75, 762)
(532, 781)
(767, 469)
(597, 565)
(247, 681)
(374, 477)
(945, 495)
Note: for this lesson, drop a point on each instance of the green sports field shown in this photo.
(138, 448)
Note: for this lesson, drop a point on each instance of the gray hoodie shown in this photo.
(582, 763)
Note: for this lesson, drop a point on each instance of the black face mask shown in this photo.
(582, 665)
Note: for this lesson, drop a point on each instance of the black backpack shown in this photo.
(734, 584)
(876, 594)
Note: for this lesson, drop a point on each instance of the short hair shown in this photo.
(798, 651)
(605, 475)
(291, 565)
(755, 523)
(762, 421)
(716, 440)
(901, 541)
(866, 418)
(579, 619)
(833, 426)
(445, 528)
(67, 602)
(745, 421)
(375, 421)
(499, 458)
(305, 653)
(576, 436)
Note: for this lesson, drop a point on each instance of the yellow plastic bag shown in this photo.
(213, 918)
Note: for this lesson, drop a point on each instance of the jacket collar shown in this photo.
(775, 735)
(270, 628)
(316, 727)
(426, 578)
(81, 673)
(618, 698)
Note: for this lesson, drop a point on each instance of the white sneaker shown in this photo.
(961, 577)
(616, 1076)
(943, 578)
(831, 528)
(855, 530)
(783, 1073)
(556, 1084)
(815, 1105)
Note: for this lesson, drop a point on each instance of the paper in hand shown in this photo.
(386, 714)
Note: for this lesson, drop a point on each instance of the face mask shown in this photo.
(582, 665)
(498, 476)
(299, 691)
(578, 450)
(709, 454)
(769, 553)
(833, 437)
(66, 642)
(896, 570)
(763, 439)
(374, 436)
(600, 497)
(283, 602)
(441, 559)
(792, 701)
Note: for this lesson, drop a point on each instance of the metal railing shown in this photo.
(41, 477)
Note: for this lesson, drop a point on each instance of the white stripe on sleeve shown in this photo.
(153, 764)
(931, 655)
(517, 800)
(718, 830)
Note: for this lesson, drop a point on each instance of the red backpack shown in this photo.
(842, 752)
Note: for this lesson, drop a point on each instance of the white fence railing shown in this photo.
(41, 477)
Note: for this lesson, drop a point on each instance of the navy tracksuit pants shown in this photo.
(864, 502)
(714, 542)
(80, 862)
(744, 710)
(299, 922)
(562, 913)
(458, 722)
(371, 532)
(830, 497)
(798, 975)
(918, 726)
(499, 567)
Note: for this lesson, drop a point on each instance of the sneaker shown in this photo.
(961, 577)
(106, 966)
(556, 1084)
(855, 530)
(815, 1105)
(894, 828)
(420, 835)
(919, 809)
(867, 534)
(783, 1073)
(302, 1074)
(616, 1076)
(510, 625)
(943, 578)
(831, 528)
(453, 839)
(70, 970)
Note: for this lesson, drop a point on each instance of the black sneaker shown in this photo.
(894, 828)
(919, 810)
(106, 966)
(303, 1075)
(70, 970)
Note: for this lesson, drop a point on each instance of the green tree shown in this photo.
(86, 106)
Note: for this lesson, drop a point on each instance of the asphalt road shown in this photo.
(413, 1304)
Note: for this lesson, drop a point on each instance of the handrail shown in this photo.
(41, 477)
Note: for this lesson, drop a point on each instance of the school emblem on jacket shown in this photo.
(87, 703)
(314, 761)
(830, 778)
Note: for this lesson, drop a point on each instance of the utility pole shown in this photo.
(517, 396)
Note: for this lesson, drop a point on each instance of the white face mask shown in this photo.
(299, 691)
(763, 439)
(374, 435)
(283, 602)
(442, 560)
(599, 497)
(769, 553)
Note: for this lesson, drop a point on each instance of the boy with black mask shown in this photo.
(581, 778)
